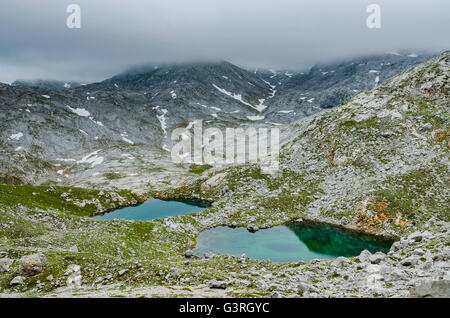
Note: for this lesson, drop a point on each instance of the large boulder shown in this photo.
(18, 280)
(32, 265)
(364, 256)
(213, 182)
(432, 289)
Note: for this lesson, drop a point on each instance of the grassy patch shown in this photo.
(64, 199)
(199, 169)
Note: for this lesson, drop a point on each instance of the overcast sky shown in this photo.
(116, 34)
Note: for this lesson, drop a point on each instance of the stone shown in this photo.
(377, 258)
(344, 221)
(304, 287)
(217, 285)
(409, 261)
(415, 237)
(244, 257)
(397, 246)
(374, 280)
(364, 256)
(74, 249)
(419, 252)
(32, 265)
(74, 276)
(385, 270)
(340, 261)
(438, 257)
(398, 274)
(123, 272)
(212, 182)
(431, 289)
(188, 254)
(18, 280)
(5, 264)
(50, 278)
(426, 126)
(252, 228)
(373, 268)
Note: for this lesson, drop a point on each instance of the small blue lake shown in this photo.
(289, 243)
(155, 209)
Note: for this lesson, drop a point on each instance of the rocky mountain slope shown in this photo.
(120, 128)
(300, 94)
(378, 163)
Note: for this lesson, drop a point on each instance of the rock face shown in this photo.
(32, 265)
(5, 264)
(432, 288)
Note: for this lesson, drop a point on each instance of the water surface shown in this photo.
(155, 209)
(289, 243)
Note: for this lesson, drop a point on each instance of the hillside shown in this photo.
(377, 163)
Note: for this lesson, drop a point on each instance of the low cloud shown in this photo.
(36, 43)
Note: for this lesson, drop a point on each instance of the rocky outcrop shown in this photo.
(432, 289)
(32, 265)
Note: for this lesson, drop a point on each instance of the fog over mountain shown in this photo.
(291, 34)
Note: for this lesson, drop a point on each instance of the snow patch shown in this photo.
(127, 140)
(377, 79)
(92, 159)
(16, 136)
(79, 111)
(237, 97)
(255, 118)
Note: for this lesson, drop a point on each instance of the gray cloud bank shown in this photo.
(116, 34)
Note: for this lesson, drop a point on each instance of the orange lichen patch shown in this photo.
(399, 221)
(381, 218)
(380, 207)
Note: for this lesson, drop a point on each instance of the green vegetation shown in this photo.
(64, 199)
(429, 111)
(416, 195)
(199, 169)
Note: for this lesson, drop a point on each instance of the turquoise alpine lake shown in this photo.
(289, 243)
(155, 209)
